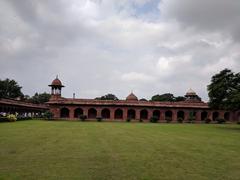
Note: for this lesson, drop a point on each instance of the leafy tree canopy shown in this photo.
(39, 98)
(167, 97)
(180, 98)
(10, 89)
(224, 90)
(107, 97)
(163, 97)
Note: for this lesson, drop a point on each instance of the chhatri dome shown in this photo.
(190, 92)
(56, 82)
(192, 96)
(132, 97)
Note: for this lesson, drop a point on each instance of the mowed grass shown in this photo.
(110, 150)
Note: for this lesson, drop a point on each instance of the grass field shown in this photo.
(92, 150)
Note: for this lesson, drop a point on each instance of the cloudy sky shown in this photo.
(110, 46)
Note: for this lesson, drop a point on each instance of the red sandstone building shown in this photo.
(132, 108)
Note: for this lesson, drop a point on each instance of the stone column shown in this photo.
(210, 115)
(137, 115)
(162, 115)
(174, 115)
(198, 116)
(85, 111)
(71, 113)
(221, 114)
(150, 113)
(186, 115)
(99, 112)
(112, 110)
(124, 113)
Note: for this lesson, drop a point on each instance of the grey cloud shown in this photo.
(221, 16)
(97, 47)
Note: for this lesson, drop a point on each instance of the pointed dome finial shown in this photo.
(132, 97)
(56, 82)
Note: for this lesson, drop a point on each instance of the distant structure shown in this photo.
(132, 108)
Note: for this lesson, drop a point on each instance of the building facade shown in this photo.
(132, 108)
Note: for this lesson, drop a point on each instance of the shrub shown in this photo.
(238, 122)
(207, 120)
(140, 120)
(191, 120)
(180, 120)
(21, 118)
(82, 117)
(3, 119)
(48, 115)
(154, 119)
(220, 120)
(99, 119)
(11, 118)
(128, 120)
(168, 119)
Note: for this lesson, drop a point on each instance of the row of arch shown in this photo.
(144, 114)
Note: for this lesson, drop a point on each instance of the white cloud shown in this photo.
(94, 43)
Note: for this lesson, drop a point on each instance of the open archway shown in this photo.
(215, 116)
(131, 114)
(105, 113)
(92, 113)
(64, 113)
(204, 115)
(144, 114)
(227, 116)
(168, 115)
(78, 112)
(180, 115)
(156, 114)
(118, 114)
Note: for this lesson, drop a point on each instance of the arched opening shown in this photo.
(118, 114)
(131, 114)
(105, 113)
(215, 116)
(92, 113)
(204, 115)
(168, 115)
(156, 114)
(227, 116)
(180, 115)
(78, 112)
(64, 113)
(144, 114)
(192, 115)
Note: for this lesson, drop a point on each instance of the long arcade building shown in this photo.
(132, 108)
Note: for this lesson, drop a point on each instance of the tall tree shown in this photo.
(180, 98)
(107, 97)
(224, 90)
(163, 97)
(39, 98)
(10, 89)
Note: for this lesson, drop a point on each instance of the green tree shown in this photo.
(39, 98)
(180, 98)
(107, 97)
(10, 89)
(163, 97)
(224, 90)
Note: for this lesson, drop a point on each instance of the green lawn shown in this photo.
(104, 150)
